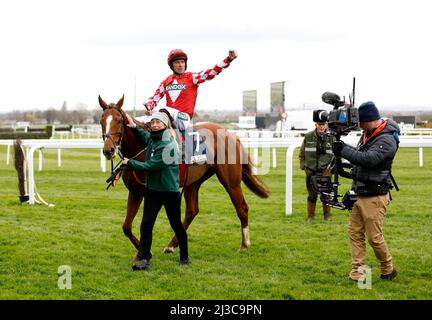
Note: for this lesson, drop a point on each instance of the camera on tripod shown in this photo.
(341, 120)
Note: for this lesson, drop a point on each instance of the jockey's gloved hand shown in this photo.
(232, 54)
(148, 109)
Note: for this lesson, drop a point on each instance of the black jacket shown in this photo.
(372, 160)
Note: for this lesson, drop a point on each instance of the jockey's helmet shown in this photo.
(177, 54)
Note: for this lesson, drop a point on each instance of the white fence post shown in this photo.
(420, 157)
(255, 161)
(8, 154)
(40, 159)
(102, 161)
(31, 184)
(59, 157)
(289, 177)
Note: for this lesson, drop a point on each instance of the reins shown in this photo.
(119, 167)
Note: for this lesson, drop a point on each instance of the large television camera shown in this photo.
(341, 120)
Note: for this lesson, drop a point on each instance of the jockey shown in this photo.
(181, 88)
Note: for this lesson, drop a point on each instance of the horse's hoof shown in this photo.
(243, 248)
(169, 250)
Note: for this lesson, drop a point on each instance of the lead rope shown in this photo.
(120, 167)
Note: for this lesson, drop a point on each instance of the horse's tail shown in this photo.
(254, 183)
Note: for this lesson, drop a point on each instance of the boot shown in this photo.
(311, 210)
(326, 210)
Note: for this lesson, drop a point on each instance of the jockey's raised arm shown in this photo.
(209, 74)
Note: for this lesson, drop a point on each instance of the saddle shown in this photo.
(194, 148)
(193, 151)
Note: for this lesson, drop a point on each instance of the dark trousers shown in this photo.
(154, 200)
(312, 195)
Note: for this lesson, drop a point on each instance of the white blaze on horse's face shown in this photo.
(110, 146)
(108, 124)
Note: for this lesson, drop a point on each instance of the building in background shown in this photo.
(250, 102)
(277, 97)
(248, 119)
(266, 108)
(405, 122)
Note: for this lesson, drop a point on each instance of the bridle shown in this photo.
(119, 167)
(109, 135)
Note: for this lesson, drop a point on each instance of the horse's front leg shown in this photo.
(191, 198)
(133, 204)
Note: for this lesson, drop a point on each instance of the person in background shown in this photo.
(315, 158)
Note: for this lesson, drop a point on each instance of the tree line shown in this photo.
(53, 116)
(84, 116)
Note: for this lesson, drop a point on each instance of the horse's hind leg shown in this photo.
(237, 198)
(191, 198)
(230, 177)
(134, 202)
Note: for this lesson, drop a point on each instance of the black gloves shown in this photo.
(337, 148)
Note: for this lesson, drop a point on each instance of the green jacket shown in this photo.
(162, 160)
(316, 154)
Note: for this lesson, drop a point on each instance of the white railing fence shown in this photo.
(255, 144)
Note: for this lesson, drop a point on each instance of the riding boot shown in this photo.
(326, 210)
(311, 210)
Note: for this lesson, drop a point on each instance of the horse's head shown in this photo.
(112, 123)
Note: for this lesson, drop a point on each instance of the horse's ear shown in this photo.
(102, 103)
(120, 102)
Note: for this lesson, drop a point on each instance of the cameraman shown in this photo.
(315, 158)
(372, 181)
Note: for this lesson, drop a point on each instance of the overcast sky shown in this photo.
(55, 51)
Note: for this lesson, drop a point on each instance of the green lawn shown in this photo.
(288, 259)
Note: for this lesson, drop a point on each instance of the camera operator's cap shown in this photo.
(368, 112)
(161, 116)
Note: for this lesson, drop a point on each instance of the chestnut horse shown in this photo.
(228, 168)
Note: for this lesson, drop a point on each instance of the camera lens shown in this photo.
(320, 116)
(323, 116)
